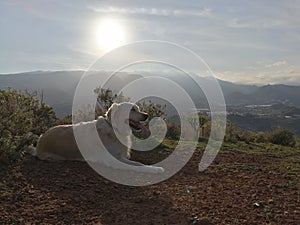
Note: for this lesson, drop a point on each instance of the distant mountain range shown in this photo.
(58, 89)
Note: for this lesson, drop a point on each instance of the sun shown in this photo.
(110, 34)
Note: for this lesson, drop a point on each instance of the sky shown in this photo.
(249, 42)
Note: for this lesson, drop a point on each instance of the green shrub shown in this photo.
(260, 138)
(23, 118)
(297, 142)
(64, 120)
(206, 129)
(283, 137)
(231, 134)
(173, 131)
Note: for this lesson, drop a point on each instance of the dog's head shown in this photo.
(126, 117)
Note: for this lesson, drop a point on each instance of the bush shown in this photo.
(283, 137)
(106, 97)
(23, 118)
(64, 120)
(231, 134)
(260, 138)
(173, 131)
(206, 129)
(152, 109)
(297, 142)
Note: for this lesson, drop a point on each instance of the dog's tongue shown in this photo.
(145, 130)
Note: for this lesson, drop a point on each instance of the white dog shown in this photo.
(59, 143)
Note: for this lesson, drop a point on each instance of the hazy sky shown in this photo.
(242, 41)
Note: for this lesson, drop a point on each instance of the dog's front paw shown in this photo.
(154, 169)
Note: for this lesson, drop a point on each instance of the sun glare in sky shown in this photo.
(110, 34)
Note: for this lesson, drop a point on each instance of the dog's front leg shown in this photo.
(129, 162)
(139, 167)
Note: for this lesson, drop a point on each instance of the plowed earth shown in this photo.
(237, 188)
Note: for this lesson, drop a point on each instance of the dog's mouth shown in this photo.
(138, 126)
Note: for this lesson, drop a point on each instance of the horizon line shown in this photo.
(82, 70)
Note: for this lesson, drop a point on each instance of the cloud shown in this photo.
(279, 77)
(263, 15)
(260, 76)
(34, 8)
(230, 37)
(276, 64)
(236, 77)
(255, 23)
(264, 72)
(155, 11)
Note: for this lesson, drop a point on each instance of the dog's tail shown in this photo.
(31, 150)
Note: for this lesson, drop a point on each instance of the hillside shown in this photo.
(269, 94)
(58, 88)
(246, 184)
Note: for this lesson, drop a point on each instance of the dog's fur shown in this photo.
(59, 143)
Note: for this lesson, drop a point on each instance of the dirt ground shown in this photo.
(236, 189)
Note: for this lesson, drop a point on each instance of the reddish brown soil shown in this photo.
(236, 189)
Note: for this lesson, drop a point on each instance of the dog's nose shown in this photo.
(145, 116)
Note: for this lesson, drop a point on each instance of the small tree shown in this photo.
(105, 98)
(231, 133)
(152, 109)
(283, 137)
(198, 120)
(173, 131)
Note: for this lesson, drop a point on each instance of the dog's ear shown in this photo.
(98, 123)
(112, 109)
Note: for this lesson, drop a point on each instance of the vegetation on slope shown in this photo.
(24, 117)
